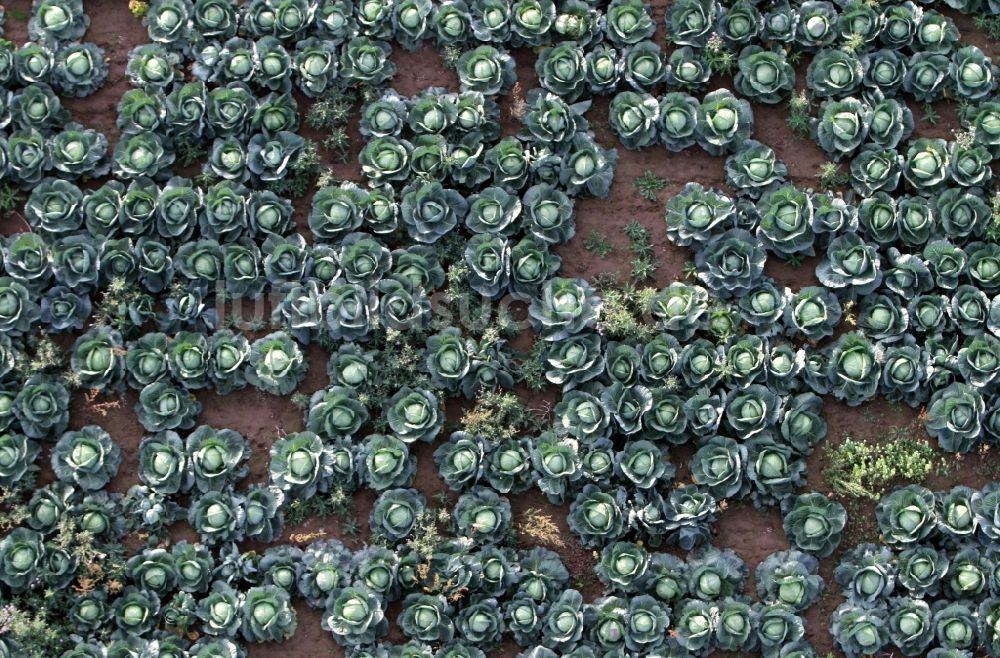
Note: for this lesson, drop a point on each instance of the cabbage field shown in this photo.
(480, 328)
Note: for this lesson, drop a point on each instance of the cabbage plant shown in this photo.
(41, 407)
(634, 118)
(268, 615)
(18, 455)
(596, 516)
(300, 464)
(789, 578)
(386, 462)
(724, 123)
(486, 70)
(754, 167)
(690, 22)
(814, 524)
(565, 307)
(732, 263)
(414, 415)
(481, 515)
(396, 512)
(335, 412)
(87, 458)
(55, 21)
(689, 516)
(955, 415)
(866, 573)
(275, 364)
(764, 75)
(216, 458)
(217, 517)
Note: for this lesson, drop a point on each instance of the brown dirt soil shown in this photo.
(752, 533)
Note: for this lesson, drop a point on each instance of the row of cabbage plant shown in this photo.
(526, 23)
(913, 275)
(39, 404)
(341, 292)
(934, 584)
(718, 123)
(683, 608)
(902, 47)
(187, 588)
(42, 138)
(864, 60)
(791, 222)
(55, 55)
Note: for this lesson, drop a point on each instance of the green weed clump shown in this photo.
(499, 416)
(649, 184)
(865, 468)
(622, 313)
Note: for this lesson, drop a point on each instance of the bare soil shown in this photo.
(750, 532)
